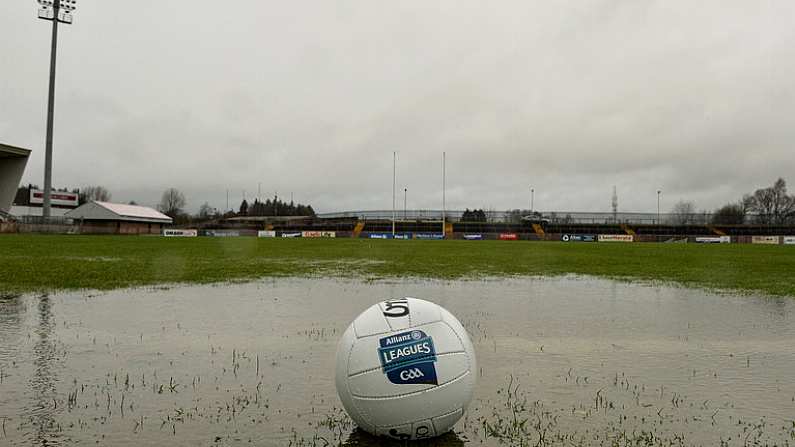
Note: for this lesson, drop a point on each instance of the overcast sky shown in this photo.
(311, 97)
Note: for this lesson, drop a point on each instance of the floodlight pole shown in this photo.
(50, 113)
(394, 177)
(444, 182)
(532, 199)
(405, 194)
(658, 206)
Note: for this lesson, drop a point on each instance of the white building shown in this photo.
(117, 218)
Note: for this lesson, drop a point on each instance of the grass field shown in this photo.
(36, 263)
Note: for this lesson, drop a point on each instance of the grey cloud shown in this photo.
(571, 97)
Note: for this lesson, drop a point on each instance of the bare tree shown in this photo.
(772, 205)
(94, 194)
(729, 214)
(172, 203)
(205, 211)
(683, 213)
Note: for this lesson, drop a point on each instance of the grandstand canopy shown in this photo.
(12, 165)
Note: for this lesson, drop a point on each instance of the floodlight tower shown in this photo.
(615, 205)
(56, 11)
(659, 191)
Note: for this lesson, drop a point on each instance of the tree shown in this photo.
(243, 207)
(473, 216)
(729, 214)
(93, 194)
(172, 202)
(514, 216)
(683, 213)
(772, 205)
(205, 211)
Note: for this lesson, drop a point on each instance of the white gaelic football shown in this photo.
(405, 369)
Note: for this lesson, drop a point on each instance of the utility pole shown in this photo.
(55, 11)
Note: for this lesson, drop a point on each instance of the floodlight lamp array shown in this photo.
(64, 5)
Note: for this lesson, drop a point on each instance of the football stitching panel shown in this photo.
(412, 393)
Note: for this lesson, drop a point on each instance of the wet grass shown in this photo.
(42, 263)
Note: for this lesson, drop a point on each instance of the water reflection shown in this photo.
(12, 310)
(360, 438)
(254, 363)
(41, 415)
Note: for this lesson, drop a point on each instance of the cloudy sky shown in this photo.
(312, 98)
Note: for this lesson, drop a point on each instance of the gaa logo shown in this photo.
(408, 358)
(409, 374)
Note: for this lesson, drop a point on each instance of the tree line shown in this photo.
(173, 203)
(771, 205)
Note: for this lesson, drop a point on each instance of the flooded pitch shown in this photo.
(566, 361)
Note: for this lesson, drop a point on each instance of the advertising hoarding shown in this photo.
(293, 234)
(616, 238)
(59, 198)
(714, 240)
(380, 235)
(404, 236)
(578, 238)
(311, 234)
(770, 240)
(508, 236)
(473, 237)
(180, 233)
(266, 233)
(222, 233)
(789, 240)
(434, 236)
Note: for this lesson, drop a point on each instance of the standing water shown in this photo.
(570, 361)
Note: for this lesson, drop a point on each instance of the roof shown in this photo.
(7, 151)
(117, 211)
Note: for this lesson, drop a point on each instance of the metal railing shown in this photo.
(557, 217)
(41, 220)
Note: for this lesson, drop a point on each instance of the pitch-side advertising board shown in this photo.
(170, 232)
(429, 236)
(616, 238)
(714, 240)
(223, 233)
(578, 238)
(771, 240)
